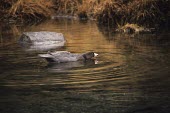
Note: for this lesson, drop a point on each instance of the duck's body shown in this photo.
(65, 56)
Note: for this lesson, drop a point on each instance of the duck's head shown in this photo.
(90, 55)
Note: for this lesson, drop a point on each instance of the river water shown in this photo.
(130, 75)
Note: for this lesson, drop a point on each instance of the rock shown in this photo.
(43, 36)
(42, 41)
(42, 46)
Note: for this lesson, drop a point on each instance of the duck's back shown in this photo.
(60, 53)
(65, 56)
(61, 56)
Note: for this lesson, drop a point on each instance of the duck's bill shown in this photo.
(95, 54)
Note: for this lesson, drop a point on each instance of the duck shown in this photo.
(65, 56)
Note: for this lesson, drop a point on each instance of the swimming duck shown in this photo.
(65, 56)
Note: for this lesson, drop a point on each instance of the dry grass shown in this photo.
(143, 12)
(133, 28)
(88, 9)
(146, 13)
(111, 13)
(107, 12)
(27, 9)
(66, 6)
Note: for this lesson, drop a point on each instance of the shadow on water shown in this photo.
(131, 74)
(57, 67)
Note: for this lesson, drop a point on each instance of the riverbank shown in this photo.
(148, 13)
(22, 11)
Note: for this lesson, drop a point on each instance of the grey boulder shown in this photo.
(42, 40)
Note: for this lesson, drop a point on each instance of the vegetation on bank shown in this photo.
(25, 10)
(142, 12)
(149, 13)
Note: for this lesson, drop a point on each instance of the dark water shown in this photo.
(131, 74)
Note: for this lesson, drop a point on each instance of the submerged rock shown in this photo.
(43, 40)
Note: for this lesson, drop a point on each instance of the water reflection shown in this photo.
(57, 67)
(131, 76)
